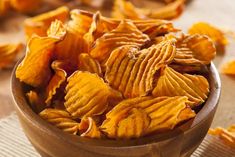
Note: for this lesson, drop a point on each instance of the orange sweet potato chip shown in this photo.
(211, 31)
(82, 99)
(88, 128)
(87, 63)
(74, 43)
(137, 117)
(125, 34)
(126, 10)
(228, 68)
(35, 67)
(61, 119)
(8, 54)
(133, 75)
(172, 83)
(40, 23)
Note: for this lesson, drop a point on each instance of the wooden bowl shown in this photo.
(52, 142)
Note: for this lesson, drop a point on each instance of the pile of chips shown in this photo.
(101, 77)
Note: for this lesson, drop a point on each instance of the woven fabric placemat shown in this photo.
(13, 142)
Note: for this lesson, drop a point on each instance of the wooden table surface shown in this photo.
(218, 12)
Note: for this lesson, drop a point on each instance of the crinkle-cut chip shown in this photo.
(155, 27)
(168, 12)
(128, 123)
(87, 95)
(4, 7)
(133, 75)
(173, 83)
(99, 26)
(227, 135)
(36, 101)
(194, 50)
(74, 43)
(188, 68)
(228, 68)
(61, 119)
(56, 81)
(214, 33)
(40, 23)
(26, 6)
(9, 53)
(126, 10)
(88, 128)
(87, 63)
(125, 34)
(35, 69)
(140, 116)
(123, 9)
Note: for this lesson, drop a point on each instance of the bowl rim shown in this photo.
(23, 109)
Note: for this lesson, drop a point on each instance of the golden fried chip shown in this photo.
(88, 128)
(36, 101)
(140, 116)
(61, 119)
(125, 34)
(172, 83)
(123, 9)
(211, 31)
(40, 23)
(169, 12)
(194, 50)
(227, 135)
(35, 67)
(87, 95)
(56, 81)
(228, 68)
(4, 7)
(133, 75)
(8, 54)
(74, 43)
(126, 10)
(87, 63)
(155, 27)
(26, 6)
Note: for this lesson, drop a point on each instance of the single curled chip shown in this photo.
(211, 31)
(132, 72)
(195, 50)
(173, 83)
(228, 68)
(87, 95)
(126, 10)
(74, 43)
(8, 54)
(40, 23)
(168, 12)
(61, 119)
(87, 63)
(88, 128)
(125, 34)
(56, 81)
(26, 6)
(155, 27)
(35, 67)
(227, 135)
(140, 116)
(4, 7)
